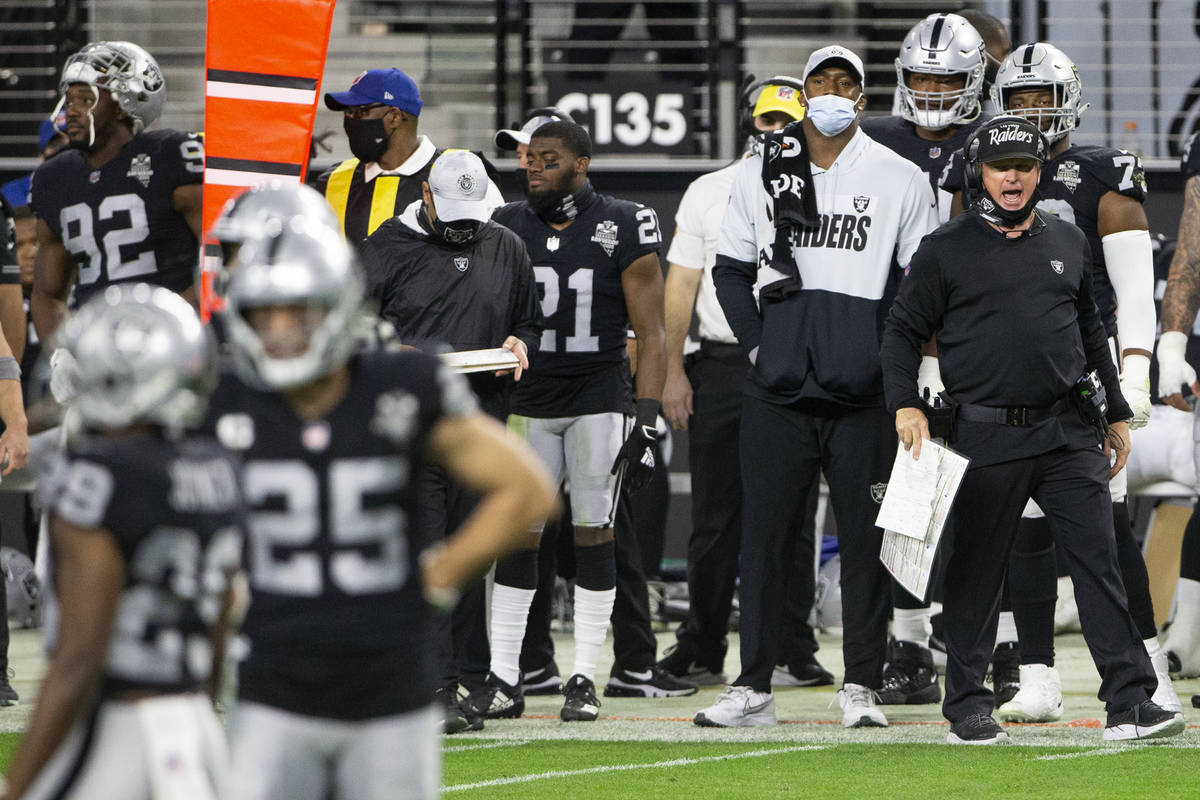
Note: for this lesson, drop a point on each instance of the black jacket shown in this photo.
(1016, 325)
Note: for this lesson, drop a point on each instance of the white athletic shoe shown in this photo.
(1066, 613)
(858, 707)
(1039, 698)
(738, 707)
(1164, 694)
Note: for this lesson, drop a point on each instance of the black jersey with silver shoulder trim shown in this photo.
(119, 221)
(337, 624)
(175, 511)
(900, 135)
(1071, 186)
(581, 367)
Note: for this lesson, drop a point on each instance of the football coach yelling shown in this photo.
(1007, 290)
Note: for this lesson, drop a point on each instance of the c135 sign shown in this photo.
(654, 117)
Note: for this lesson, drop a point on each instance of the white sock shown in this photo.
(510, 611)
(1184, 636)
(912, 625)
(592, 612)
(1006, 630)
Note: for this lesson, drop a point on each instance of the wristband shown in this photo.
(10, 370)
(647, 412)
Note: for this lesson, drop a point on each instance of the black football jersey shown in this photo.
(175, 511)
(337, 624)
(1071, 186)
(581, 367)
(900, 135)
(119, 222)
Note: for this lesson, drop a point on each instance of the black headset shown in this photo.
(973, 173)
(749, 87)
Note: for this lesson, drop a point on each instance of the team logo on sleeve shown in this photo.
(1056, 265)
(606, 236)
(1068, 175)
(861, 203)
(140, 168)
(395, 416)
(461, 263)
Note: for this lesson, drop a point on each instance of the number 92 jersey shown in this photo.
(578, 271)
(175, 511)
(119, 222)
(1071, 186)
(338, 624)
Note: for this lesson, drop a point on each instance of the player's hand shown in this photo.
(912, 427)
(636, 460)
(14, 449)
(64, 374)
(517, 348)
(1135, 385)
(677, 398)
(929, 379)
(1118, 444)
(1173, 370)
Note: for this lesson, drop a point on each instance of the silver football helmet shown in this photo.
(141, 355)
(941, 44)
(1038, 66)
(124, 69)
(304, 265)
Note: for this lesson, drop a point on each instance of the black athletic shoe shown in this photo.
(1147, 720)
(8, 695)
(1196, 701)
(976, 729)
(545, 680)
(909, 677)
(457, 719)
(581, 704)
(653, 682)
(1006, 672)
(801, 673)
(680, 661)
(495, 700)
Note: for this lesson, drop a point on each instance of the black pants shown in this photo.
(460, 644)
(634, 643)
(783, 448)
(1071, 486)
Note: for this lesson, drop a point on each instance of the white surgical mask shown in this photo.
(831, 113)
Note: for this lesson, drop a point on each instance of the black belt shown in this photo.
(1016, 416)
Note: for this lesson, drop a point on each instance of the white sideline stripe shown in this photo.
(236, 177)
(677, 762)
(1108, 751)
(464, 747)
(266, 94)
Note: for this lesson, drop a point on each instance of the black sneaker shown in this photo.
(545, 680)
(976, 729)
(1147, 720)
(801, 673)
(680, 661)
(495, 700)
(653, 682)
(8, 695)
(457, 719)
(1196, 701)
(909, 677)
(581, 704)
(1006, 672)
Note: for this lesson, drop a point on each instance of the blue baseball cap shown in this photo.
(387, 86)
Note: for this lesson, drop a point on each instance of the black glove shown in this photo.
(635, 460)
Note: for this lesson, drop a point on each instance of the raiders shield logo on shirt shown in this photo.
(878, 490)
(861, 203)
(1056, 265)
(461, 263)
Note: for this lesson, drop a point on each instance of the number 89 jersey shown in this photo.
(175, 510)
(337, 624)
(578, 272)
(119, 222)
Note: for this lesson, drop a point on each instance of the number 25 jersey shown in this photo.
(118, 221)
(581, 367)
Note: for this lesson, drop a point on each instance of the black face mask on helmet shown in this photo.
(368, 138)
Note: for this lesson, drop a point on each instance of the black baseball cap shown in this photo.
(1008, 137)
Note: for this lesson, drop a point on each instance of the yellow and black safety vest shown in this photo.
(362, 207)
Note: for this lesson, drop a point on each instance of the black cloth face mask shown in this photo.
(993, 212)
(560, 207)
(368, 138)
(459, 233)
